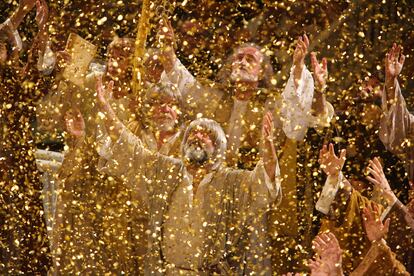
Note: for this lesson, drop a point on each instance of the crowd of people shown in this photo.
(179, 177)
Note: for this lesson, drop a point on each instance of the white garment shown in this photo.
(187, 232)
(329, 191)
(204, 100)
(297, 107)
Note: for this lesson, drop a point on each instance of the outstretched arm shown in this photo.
(394, 62)
(320, 72)
(112, 124)
(268, 148)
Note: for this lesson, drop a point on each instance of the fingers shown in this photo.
(387, 225)
(325, 64)
(373, 181)
(343, 154)
(331, 150)
(306, 40)
(375, 174)
(402, 59)
(314, 60)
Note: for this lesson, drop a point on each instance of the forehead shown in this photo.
(120, 47)
(372, 81)
(164, 93)
(251, 51)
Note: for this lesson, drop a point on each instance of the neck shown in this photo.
(244, 91)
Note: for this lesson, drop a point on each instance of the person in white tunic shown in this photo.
(397, 123)
(196, 206)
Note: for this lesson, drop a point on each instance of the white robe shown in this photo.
(191, 235)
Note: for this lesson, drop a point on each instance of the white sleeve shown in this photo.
(396, 123)
(329, 191)
(180, 77)
(297, 104)
(266, 192)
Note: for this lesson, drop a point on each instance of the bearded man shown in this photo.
(197, 207)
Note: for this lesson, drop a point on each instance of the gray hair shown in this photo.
(217, 135)
(265, 80)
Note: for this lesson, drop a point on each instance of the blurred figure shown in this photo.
(24, 245)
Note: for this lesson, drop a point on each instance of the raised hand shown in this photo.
(379, 180)
(320, 71)
(268, 150)
(103, 93)
(42, 13)
(330, 163)
(166, 34)
(373, 225)
(327, 247)
(267, 127)
(394, 62)
(301, 51)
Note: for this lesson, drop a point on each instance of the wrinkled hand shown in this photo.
(166, 34)
(327, 247)
(75, 124)
(330, 163)
(300, 51)
(379, 180)
(373, 225)
(320, 72)
(394, 62)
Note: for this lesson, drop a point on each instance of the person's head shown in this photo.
(120, 52)
(370, 97)
(249, 64)
(162, 105)
(153, 67)
(204, 144)
(193, 36)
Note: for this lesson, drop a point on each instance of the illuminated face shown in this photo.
(199, 148)
(153, 69)
(246, 65)
(164, 112)
(371, 94)
(119, 59)
(371, 88)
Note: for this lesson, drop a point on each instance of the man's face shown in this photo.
(153, 69)
(119, 59)
(371, 88)
(371, 95)
(164, 112)
(246, 65)
(199, 148)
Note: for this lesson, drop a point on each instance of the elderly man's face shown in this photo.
(164, 112)
(371, 95)
(199, 148)
(246, 65)
(119, 59)
(153, 69)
